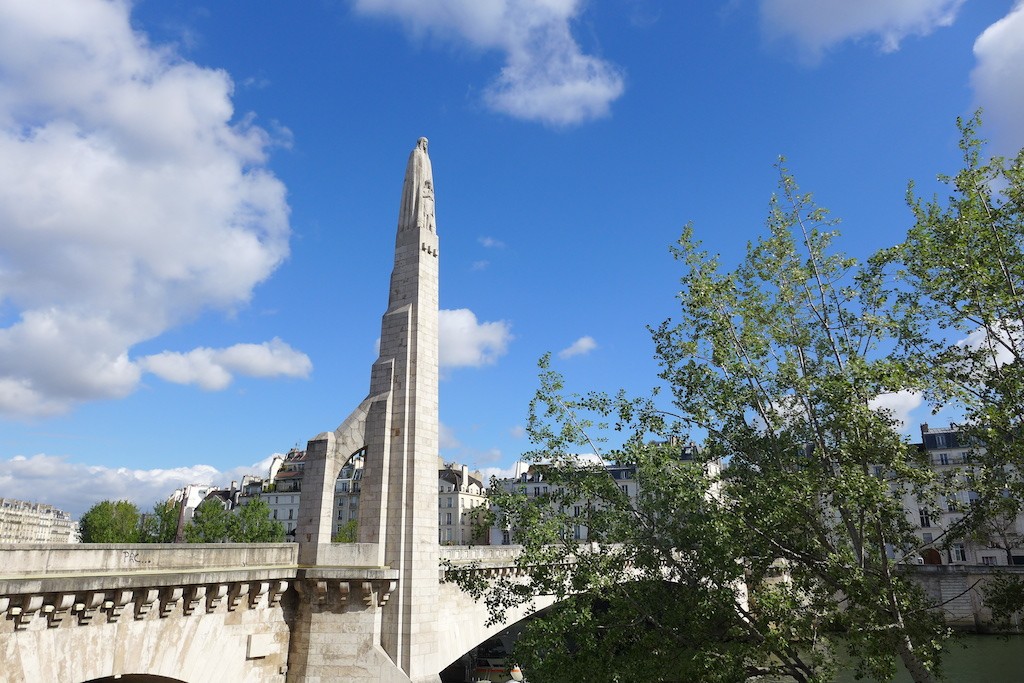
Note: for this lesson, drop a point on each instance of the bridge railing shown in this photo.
(20, 561)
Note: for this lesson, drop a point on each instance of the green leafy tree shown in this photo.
(960, 303)
(719, 575)
(110, 522)
(210, 524)
(161, 525)
(962, 307)
(251, 523)
(347, 532)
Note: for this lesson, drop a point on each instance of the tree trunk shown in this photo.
(914, 666)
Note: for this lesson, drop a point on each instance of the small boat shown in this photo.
(496, 670)
(492, 665)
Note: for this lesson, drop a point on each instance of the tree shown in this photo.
(347, 532)
(961, 304)
(110, 522)
(251, 523)
(161, 525)
(778, 363)
(209, 524)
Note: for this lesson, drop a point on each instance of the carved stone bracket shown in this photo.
(144, 599)
(86, 605)
(236, 592)
(169, 599)
(57, 607)
(114, 604)
(377, 592)
(193, 596)
(23, 613)
(277, 589)
(256, 591)
(214, 594)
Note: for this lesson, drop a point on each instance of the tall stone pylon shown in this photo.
(397, 425)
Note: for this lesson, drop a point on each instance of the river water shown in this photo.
(974, 659)
(969, 659)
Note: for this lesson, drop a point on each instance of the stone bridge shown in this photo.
(376, 610)
(217, 612)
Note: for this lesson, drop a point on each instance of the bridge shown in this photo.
(376, 610)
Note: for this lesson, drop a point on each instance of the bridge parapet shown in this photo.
(55, 581)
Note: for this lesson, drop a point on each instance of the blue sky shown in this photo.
(198, 199)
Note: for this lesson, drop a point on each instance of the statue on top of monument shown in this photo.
(417, 208)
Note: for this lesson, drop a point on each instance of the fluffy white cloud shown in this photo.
(1008, 334)
(998, 79)
(75, 487)
(899, 405)
(499, 472)
(131, 199)
(546, 76)
(580, 347)
(446, 437)
(465, 342)
(212, 368)
(491, 243)
(816, 25)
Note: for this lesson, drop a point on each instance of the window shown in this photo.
(536, 492)
(577, 532)
(926, 537)
(940, 440)
(877, 471)
(959, 554)
(943, 458)
(448, 520)
(576, 511)
(275, 514)
(625, 489)
(341, 514)
(988, 559)
(506, 538)
(926, 520)
(291, 513)
(449, 503)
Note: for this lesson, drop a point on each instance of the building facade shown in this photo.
(950, 454)
(25, 522)
(461, 504)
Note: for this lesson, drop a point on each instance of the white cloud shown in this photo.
(491, 243)
(517, 432)
(580, 347)
(212, 369)
(465, 342)
(75, 487)
(816, 25)
(479, 265)
(499, 472)
(1002, 346)
(131, 200)
(446, 437)
(998, 79)
(898, 405)
(546, 76)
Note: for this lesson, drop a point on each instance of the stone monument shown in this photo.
(396, 428)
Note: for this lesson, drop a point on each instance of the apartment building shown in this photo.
(25, 522)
